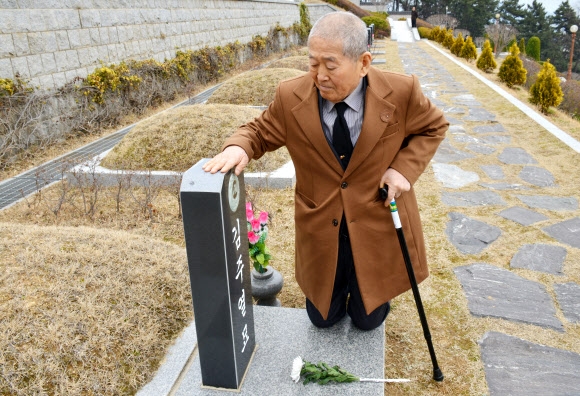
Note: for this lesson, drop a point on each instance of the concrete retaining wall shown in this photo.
(70, 38)
(318, 10)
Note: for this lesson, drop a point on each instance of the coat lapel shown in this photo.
(378, 114)
(307, 115)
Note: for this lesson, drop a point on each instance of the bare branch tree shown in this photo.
(443, 21)
(501, 34)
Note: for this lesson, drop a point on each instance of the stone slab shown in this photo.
(454, 110)
(518, 367)
(447, 153)
(454, 121)
(488, 128)
(504, 186)
(516, 156)
(378, 61)
(522, 216)
(494, 172)
(537, 176)
(497, 139)
(463, 138)
(472, 198)
(498, 293)
(568, 295)
(479, 114)
(567, 232)
(540, 257)
(284, 333)
(480, 148)
(456, 129)
(453, 176)
(548, 202)
(470, 236)
(466, 100)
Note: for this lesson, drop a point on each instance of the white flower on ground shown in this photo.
(296, 369)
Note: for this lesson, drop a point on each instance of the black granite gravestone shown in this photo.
(216, 240)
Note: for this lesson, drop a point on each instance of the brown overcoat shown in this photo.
(402, 130)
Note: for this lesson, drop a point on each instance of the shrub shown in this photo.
(571, 102)
(435, 33)
(546, 91)
(380, 23)
(441, 36)
(305, 25)
(425, 32)
(512, 71)
(457, 45)
(486, 61)
(448, 41)
(522, 46)
(533, 48)
(468, 51)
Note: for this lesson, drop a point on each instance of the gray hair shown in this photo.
(343, 26)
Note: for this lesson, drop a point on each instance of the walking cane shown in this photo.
(437, 374)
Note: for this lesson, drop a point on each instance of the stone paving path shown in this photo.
(513, 366)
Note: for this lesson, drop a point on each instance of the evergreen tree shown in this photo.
(512, 71)
(546, 91)
(536, 23)
(563, 18)
(533, 48)
(435, 33)
(468, 51)
(457, 45)
(442, 35)
(486, 61)
(511, 12)
(522, 46)
(473, 15)
(448, 42)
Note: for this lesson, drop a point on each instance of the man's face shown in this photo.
(335, 75)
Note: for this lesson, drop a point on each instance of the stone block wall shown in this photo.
(316, 11)
(51, 42)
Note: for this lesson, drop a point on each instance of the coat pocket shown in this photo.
(307, 201)
(390, 130)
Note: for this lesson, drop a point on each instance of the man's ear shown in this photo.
(366, 59)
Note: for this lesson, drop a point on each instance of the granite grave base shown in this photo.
(281, 335)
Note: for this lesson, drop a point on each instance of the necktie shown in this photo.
(341, 135)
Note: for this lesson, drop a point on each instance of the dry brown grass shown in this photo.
(180, 137)
(86, 311)
(253, 88)
(299, 62)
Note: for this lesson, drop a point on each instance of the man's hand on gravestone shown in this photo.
(397, 183)
(232, 156)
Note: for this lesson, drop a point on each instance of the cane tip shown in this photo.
(438, 375)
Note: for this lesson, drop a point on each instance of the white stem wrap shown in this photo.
(395, 214)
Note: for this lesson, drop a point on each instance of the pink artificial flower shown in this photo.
(253, 237)
(248, 206)
(249, 215)
(255, 223)
(263, 218)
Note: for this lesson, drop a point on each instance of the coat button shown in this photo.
(334, 222)
(344, 185)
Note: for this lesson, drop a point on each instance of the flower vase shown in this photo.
(266, 286)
